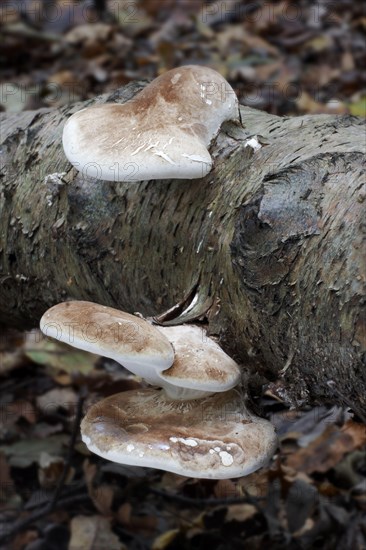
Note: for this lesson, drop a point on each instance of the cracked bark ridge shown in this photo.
(270, 245)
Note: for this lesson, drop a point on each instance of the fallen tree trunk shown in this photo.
(267, 249)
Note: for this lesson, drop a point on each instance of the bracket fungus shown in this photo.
(200, 366)
(215, 437)
(162, 133)
(196, 425)
(128, 339)
(181, 360)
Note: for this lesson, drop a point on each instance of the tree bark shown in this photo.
(267, 249)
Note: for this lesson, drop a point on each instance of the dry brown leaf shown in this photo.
(308, 105)
(10, 360)
(12, 412)
(318, 76)
(6, 482)
(173, 482)
(164, 540)
(308, 525)
(285, 81)
(63, 78)
(319, 43)
(90, 471)
(237, 38)
(22, 540)
(63, 379)
(93, 533)
(267, 15)
(89, 34)
(356, 431)
(326, 451)
(258, 44)
(26, 411)
(240, 512)
(264, 72)
(146, 524)
(347, 61)
(64, 398)
(50, 469)
(101, 495)
(124, 513)
(225, 488)
(255, 485)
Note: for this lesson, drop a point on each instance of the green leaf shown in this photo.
(60, 356)
(359, 107)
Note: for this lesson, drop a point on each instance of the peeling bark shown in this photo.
(268, 249)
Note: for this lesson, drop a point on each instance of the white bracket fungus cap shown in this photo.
(200, 366)
(182, 360)
(162, 133)
(215, 437)
(129, 340)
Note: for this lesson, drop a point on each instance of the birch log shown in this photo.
(268, 250)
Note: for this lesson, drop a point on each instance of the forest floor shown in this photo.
(286, 58)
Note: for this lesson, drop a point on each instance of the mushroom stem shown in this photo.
(176, 393)
(200, 367)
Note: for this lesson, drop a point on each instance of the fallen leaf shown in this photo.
(307, 104)
(319, 43)
(328, 449)
(300, 504)
(358, 108)
(240, 512)
(102, 494)
(93, 533)
(56, 355)
(88, 34)
(52, 400)
(22, 540)
(356, 431)
(12, 412)
(164, 540)
(225, 488)
(6, 482)
(50, 469)
(24, 453)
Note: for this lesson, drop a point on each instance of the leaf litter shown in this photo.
(312, 493)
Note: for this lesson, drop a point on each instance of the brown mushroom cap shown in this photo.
(199, 365)
(215, 437)
(129, 340)
(162, 133)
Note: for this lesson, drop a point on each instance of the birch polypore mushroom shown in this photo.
(200, 366)
(128, 339)
(162, 133)
(180, 428)
(182, 360)
(215, 437)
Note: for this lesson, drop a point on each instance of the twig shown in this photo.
(66, 493)
(55, 502)
(74, 434)
(23, 524)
